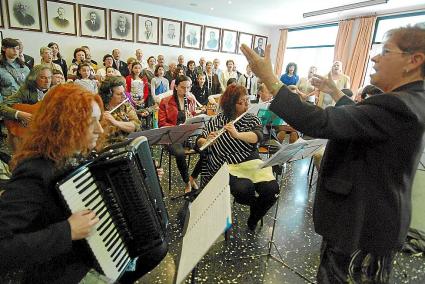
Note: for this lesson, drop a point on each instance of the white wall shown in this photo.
(34, 40)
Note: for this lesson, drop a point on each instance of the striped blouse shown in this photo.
(226, 148)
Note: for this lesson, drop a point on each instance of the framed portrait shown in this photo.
(61, 17)
(229, 40)
(1, 16)
(246, 39)
(92, 21)
(260, 43)
(121, 25)
(24, 14)
(192, 36)
(212, 37)
(147, 29)
(171, 32)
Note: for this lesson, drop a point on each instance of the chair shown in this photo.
(188, 152)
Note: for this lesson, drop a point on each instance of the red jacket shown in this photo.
(128, 80)
(167, 114)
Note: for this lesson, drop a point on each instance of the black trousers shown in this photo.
(337, 266)
(177, 150)
(244, 192)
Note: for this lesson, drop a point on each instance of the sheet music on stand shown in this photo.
(202, 119)
(167, 135)
(296, 151)
(209, 217)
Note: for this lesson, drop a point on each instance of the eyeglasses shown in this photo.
(386, 51)
(243, 102)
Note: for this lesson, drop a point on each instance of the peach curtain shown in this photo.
(280, 52)
(343, 41)
(357, 63)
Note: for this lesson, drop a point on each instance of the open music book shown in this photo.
(209, 217)
(296, 151)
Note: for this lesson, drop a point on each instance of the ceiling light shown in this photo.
(230, 2)
(344, 7)
(212, 8)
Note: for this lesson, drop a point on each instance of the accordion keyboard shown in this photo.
(81, 192)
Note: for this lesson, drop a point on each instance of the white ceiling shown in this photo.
(281, 12)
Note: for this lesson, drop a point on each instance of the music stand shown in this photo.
(167, 135)
(288, 153)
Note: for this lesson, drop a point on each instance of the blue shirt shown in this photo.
(289, 80)
(10, 84)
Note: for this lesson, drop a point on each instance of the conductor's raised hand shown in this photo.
(324, 83)
(82, 223)
(261, 66)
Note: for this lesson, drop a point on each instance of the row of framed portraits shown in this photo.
(61, 18)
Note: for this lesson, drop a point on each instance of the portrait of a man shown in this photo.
(171, 32)
(228, 43)
(212, 41)
(93, 22)
(259, 48)
(123, 26)
(148, 30)
(60, 19)
(192, 38)
(22, 14)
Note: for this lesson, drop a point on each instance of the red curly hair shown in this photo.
(58, 127)
(230, 97)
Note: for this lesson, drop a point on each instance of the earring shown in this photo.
(406, 70)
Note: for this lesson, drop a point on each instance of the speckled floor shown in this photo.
(240, 260)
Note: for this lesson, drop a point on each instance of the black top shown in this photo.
(62, 63)
(363, 197)
(35, 235)
(201, 94)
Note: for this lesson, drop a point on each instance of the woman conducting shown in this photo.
(362, 205)
(238, 148)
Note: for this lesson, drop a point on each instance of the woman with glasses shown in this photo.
(238, 148)
(362, 205)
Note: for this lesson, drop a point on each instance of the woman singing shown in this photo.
(238, 147)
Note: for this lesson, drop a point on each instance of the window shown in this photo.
(384, 24)
(311, 46)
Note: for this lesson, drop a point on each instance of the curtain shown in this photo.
(280, 52)
(343, 42)
(357, 63)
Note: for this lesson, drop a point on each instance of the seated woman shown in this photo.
(173, 110)
(37, 236)
(47, 58)
(80, 57)
(121, 121)
(238, 148)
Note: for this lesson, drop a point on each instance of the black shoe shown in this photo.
(252, 224)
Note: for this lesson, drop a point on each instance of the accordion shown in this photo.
(121, 186)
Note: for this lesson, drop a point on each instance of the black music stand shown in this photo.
(295, 152)
(167, 135)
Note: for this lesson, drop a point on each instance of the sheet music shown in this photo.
(296, 151)
(309, 149)
(210, 216)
